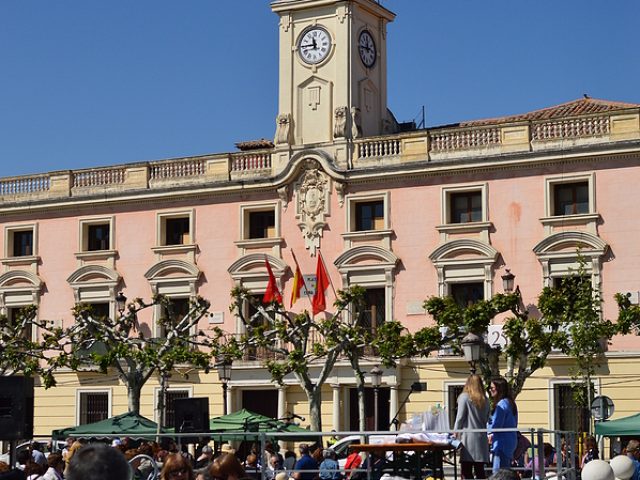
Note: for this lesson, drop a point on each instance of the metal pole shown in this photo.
(224, 398)
(375, 409)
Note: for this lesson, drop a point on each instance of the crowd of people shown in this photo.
(495, 442)
(124, 460)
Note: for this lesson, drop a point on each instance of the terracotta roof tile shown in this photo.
(582, 106)
(255, 144)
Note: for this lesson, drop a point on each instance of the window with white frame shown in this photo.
(368, 212)
(20, 241)
(373, 268)
(260, 221)
(464, 204)
(96, 234)
(465, 269)
(466, 293)
(172, 313)
(175, 228)
(93, 406)
(570, 195)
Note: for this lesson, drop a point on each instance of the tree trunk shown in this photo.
(134, 390)
(162, 404)
(315, 404)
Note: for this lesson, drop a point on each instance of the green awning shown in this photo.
(620, 427)
(245, 423)
(125, 425)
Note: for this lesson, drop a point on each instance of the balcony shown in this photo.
(473, 141)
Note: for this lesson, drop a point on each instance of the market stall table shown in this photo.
(428, 455)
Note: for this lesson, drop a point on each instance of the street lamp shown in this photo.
(376, 379)
(508, 279)
(121, 303)
(223, 365)
(472, 346)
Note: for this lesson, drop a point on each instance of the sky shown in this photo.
(86, 83)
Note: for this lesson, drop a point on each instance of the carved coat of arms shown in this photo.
(312, 204)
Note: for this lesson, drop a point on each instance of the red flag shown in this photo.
(271, 293)
(322, 282)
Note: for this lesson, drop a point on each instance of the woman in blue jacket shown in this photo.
(503, 415)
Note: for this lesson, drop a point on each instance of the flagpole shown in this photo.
(304, 284)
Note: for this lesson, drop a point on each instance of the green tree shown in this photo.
(298, 344)
(19, 353)
(120, 345)
(574, 309)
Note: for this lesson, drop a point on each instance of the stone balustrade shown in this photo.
(246, 162)
(98, 177)
(571, 128)
(457, 139)
(422, 145)
(177, 169)
(380, 147)
(24, 185)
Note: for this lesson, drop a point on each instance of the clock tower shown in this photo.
(333, 73)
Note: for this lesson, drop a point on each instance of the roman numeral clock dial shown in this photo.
(367, 49)
(314, 45)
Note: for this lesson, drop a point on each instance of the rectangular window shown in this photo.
(465, 207)
(177, 231)
(100, 310)
(170, 409)
(369, 215)
(13, 315)
(98, 236)
(262, 224)
(568, 414)
(466, 294)
(453, 392)
(372, 314)
(94, 407)
(571, 198)
(177, 310)
(22, 243)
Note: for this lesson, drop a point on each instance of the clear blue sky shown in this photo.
(85, 83)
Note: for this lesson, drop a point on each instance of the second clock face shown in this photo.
(367, 49)
(314, 45)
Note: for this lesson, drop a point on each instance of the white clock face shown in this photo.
(314, 45)
(367, 49)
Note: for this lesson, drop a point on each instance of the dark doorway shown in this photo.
(264, 402)
(383, 409)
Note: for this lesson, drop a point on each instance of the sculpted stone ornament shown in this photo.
(356, 123)
(283, 129)
(283, 194)
(340, 122)
(312, 204)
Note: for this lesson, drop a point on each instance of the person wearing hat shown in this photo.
(226, 448)
(205, 458)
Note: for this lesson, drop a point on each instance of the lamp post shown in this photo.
(508, 280)
(223, 365)
(376, 379)
(472, 346)
(121, 303)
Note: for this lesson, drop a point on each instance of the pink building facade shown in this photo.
(406, 214)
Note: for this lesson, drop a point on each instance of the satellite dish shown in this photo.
(602, 407)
